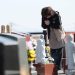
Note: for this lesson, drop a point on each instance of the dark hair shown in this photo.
(46, 11)
(55, 19)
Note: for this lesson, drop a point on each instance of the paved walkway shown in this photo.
(35, 73)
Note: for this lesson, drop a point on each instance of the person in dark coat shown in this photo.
(51, 21)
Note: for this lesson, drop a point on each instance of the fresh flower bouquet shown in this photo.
(31, 55)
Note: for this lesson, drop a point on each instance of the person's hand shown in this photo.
(47, 22)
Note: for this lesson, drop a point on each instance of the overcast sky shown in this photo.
(25, 15)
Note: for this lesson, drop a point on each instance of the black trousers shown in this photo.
(57, 54)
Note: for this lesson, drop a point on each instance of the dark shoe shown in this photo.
(58, 68)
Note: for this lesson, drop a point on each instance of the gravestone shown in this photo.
(14, 55)
(70, 54)
(40, 51)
